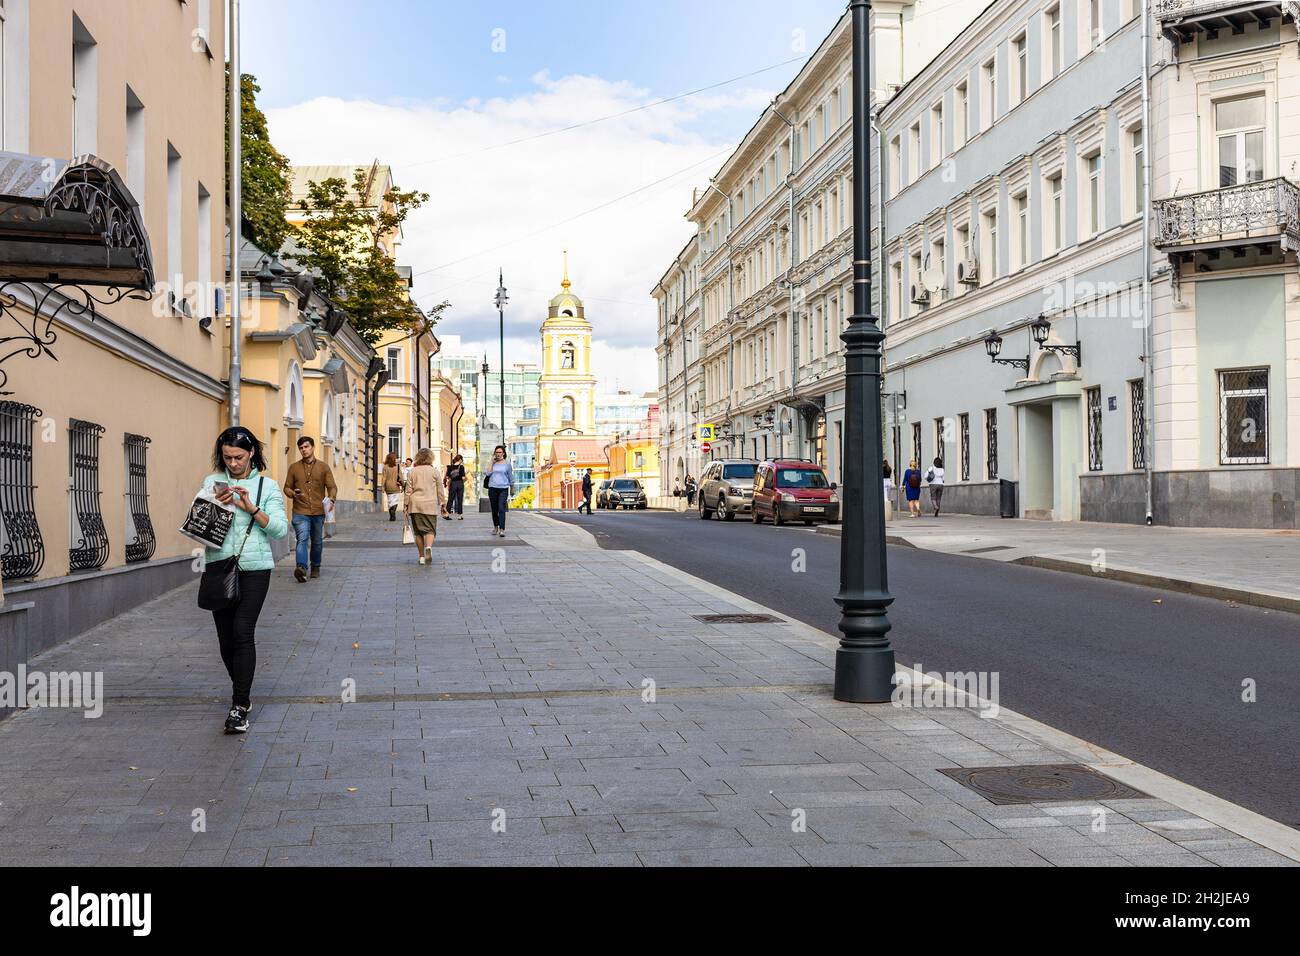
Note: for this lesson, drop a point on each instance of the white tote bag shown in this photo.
(408, 533)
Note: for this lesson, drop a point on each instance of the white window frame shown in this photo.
(1022, 235)
(1238, 135)
(1020, 67)
(937, 151)
(1092, 194)
(988, 93)
(961, 107)
(1053, 43)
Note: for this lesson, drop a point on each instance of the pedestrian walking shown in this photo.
(586, 493)
(889, 479)
(424, 500)
(392, 479)
(912, 489)
(406, 471)
(238, 479)
(454, 480)
(935, 479)
(500, 484)
(690, 492)
(307, 485)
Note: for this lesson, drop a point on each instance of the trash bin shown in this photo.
(1006, 498)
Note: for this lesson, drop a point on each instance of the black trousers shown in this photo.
(456, 497)
(500, 500)
(236, 626)
(586, 502)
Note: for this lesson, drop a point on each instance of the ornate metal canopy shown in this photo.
(70, 222)
(66, 227)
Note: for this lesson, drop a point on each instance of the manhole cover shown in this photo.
(996, 547)
(738, 619)
(1042, 783)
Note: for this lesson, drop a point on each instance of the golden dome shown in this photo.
(566, 304)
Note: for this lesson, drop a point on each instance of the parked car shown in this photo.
(727, 488)
(602, 494)
(627, 493)
(788, 489)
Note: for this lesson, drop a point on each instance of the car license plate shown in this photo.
(811, 508)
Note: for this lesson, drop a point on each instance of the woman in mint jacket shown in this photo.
(237, 458)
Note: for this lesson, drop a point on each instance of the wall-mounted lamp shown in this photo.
(993, 345)
(1041, 329)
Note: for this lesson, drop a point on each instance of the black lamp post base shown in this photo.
(864, 675)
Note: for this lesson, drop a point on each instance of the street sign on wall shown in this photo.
(706, 433)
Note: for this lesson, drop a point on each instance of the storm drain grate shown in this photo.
(996, 547)
(1042, 783)
(737, 619)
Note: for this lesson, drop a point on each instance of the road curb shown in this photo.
(1248, 824)
(1275, 602)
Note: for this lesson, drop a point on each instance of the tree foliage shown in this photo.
(342, 244)
(264, 181)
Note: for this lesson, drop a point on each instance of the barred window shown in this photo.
(991, 443)
(964, 424)
(940, 434)
(1093, 401)
(1138, 412)
(89, 537)
(23, 552)
(140, 540)
(1243, 417)
(916, 443)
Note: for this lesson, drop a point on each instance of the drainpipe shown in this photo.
(794, 254)
(731, 303)
(1148, 370)
(235, 214)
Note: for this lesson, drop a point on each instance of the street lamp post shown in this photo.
(501, 300)
(864, 663)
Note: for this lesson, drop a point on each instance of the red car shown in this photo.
(787, 489)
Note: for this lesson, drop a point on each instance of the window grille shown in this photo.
(991, 443)
(1094, 428)
(89, 538)
(24, 551)
(141, 547)
(916, 443)
(1243, 417)
(964, 419)
(1138, 410)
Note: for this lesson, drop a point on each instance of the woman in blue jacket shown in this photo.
(237, 458)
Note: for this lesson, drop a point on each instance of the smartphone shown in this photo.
(220, 487)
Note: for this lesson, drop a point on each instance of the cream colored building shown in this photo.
(117, 434)
(751, 310)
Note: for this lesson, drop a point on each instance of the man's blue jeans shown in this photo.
(309, 527)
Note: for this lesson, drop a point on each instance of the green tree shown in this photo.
(264, 181)
(341, 244)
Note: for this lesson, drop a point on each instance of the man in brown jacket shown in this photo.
(308, 483)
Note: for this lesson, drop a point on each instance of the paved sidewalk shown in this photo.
(502, 717)
(1247, 566)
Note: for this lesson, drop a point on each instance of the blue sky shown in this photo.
(419, 50)
(418, 86)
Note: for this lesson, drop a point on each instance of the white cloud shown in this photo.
(493, 207)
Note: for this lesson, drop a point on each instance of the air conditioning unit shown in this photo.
(920, 294)
(968, 272)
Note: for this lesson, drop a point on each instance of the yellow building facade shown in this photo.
(108, 443)
(566, 388)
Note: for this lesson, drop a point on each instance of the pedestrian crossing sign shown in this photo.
(706, 432)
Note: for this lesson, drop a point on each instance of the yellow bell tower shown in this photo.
(567, 388)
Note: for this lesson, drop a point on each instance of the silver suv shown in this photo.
(727, 488)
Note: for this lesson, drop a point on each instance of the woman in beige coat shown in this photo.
(424, 501)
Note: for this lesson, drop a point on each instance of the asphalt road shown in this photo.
(1160, 683)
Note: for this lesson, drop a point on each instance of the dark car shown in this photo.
(627, 493)
(794, 490)
(602, 494)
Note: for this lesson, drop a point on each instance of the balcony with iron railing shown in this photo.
(1249, 214)
(1181, 21)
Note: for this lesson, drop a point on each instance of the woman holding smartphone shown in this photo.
(500, 486)
(238, 480)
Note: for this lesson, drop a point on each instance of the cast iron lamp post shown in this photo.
(501, 300)
(864, 663)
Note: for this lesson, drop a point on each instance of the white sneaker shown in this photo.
(422, 559)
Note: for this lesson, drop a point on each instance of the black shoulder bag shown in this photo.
(219, 584)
